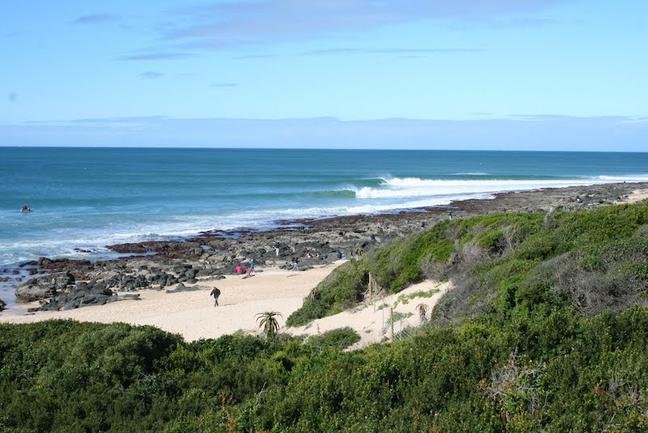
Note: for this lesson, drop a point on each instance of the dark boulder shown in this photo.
(182, 288)
(44, 287)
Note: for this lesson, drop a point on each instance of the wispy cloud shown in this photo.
(219, 25)
(170, 55)
(150, 75)
(223, 84)
(95, 19)
(525, 22)
(12, 97)
(360, 51)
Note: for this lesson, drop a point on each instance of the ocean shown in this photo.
(87, 198)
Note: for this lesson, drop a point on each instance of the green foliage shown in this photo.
(564, 374)
(340, 338)
(340, 290)
(404, 299)
(397, 316)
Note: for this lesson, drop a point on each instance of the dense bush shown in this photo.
(340, 338)
(531, 361)
(558, 372)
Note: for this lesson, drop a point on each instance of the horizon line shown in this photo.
(316, 148)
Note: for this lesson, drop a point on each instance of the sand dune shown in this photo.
(372, 320)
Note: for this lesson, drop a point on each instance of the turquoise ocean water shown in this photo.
(88, 198)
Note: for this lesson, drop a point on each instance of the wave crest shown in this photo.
(393, 188)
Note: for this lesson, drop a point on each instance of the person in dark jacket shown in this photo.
(215, 293)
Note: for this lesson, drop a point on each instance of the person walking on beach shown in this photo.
(215, 293)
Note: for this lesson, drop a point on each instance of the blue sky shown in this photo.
(137, 73)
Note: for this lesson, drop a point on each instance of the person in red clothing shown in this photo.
(239, 269)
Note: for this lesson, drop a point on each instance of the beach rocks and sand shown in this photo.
(178, 266)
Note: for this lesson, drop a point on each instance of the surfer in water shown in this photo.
(25, 209)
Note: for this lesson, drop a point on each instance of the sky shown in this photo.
(491, 74)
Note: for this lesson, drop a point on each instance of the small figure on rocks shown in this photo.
(215, 293)
(239, 269)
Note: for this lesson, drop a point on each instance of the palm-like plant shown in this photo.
(268, 323)
(422, 311)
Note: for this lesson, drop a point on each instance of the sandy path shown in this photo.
(192, 314)
(372, 321)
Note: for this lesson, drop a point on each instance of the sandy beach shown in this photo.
(192, 314)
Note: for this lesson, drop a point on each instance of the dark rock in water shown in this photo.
(2, 305)
(130, 248)
(44, 287)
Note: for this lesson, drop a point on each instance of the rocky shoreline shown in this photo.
(296, 244)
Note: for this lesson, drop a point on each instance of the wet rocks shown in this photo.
(78, 297)
(81, 296)
(44, 286)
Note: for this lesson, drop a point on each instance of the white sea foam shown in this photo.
(392, 194)
(398, 188)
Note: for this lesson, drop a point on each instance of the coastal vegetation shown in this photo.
(545, 330)
(593, 260)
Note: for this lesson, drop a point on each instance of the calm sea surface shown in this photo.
(88, 198)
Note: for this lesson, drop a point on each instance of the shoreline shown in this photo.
(305, 243)
(192, 313)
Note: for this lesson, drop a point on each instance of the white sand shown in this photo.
(372, 320)
(192, 314)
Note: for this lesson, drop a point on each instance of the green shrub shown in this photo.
(340, 338)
